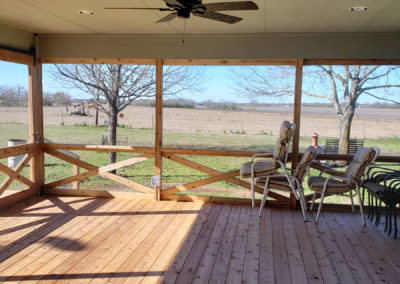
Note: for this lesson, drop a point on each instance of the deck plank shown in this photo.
(372, 263)
(339, 263)
(252, 258)
(24, 247)
(207, 261)
(98, 240)
(59, 266)
(90, 263)
(156, 271)
(218, 274)
(192, 261)
(266, 265)
(118, 268)
(184, 249)
(139, 272)
(385, 244)
(359, 272)
(297, 238)
(281, 261)
(324, 262)
(236, 263)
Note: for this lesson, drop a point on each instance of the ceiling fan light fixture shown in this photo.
(86, 12)
(358, 8)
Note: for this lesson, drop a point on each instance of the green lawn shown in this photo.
(173, 173)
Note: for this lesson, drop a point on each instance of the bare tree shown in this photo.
(120, 85)
(13, 96)
(340, 85)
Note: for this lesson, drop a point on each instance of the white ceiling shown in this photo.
(274, 16)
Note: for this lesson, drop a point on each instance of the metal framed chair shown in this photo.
(383, 186)
(344, 183)
(293, 182)
(263, 168)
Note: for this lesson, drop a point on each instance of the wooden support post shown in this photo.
(296, 120)
(35, 104)
(75, 171)
(159, 127)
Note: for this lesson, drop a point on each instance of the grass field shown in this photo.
(191, 132)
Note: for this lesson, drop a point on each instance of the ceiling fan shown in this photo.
(183, 9)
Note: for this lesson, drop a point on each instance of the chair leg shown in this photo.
(361, 207)
(369, 206)
(386, 218)
(378, 212)
(252, 192)
(320, 206)
(312, 202)
(303, 205)
(264, 199)
(395, 221)
(390, 220)
(352, 202)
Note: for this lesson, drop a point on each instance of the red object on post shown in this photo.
(314, 140)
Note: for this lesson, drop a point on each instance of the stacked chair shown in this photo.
(383, 185)
(347, 183)
(290, 183)
(264, 168)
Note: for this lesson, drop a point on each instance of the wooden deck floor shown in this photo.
(81, 240)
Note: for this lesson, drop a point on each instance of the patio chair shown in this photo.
(344, 183)
(383, 185)
(293, 183)
(264, 168)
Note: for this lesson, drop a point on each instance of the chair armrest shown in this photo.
(260, 155)
(327, 170)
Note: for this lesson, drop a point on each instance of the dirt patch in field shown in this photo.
(368, 123)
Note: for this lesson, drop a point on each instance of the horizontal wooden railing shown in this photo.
(173, 154)
(14, 174)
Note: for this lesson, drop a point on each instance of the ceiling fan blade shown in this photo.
(231, 6)
(132, 8)
(168, 18)
(219, 17)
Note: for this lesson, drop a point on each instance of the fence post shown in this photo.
(75, 171)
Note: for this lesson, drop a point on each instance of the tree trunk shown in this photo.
(112, 132)
(345, 127)
(97, 109)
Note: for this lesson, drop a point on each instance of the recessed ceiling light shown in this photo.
(86, 12)
(358, 8)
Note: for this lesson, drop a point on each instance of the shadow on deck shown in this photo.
(98, 240)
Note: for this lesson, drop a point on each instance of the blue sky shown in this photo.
(217, 88)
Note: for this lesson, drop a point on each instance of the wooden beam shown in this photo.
(18, 177)
(75, 171)
(129, 61)
(35, 105)
(213, 172)
(15, 57)
(229, 62)
(99, 148)
(159, 127)
(200, 152)
(97, 193)
(103, 171)
(297, 111)
(296, 119)
(95, 171)
(9, 179)
(197, 183)
(18, 150)
(220, 199)
(351, 61)
(204, 152)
